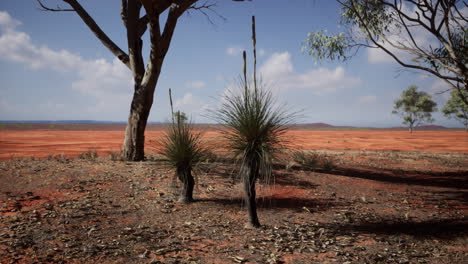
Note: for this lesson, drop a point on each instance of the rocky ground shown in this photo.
(366, 207)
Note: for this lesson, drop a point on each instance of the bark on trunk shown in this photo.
(188, 183)
(134, 142)
(251, 171)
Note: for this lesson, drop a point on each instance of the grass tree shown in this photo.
(457, 109)
(254, 129)
(182, 147)
(415, 107)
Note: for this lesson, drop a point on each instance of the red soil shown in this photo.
(372, 207)
(41, 143)
(430, 141)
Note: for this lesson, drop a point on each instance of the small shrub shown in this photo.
(306, 159)
(91, 154)
(210, 156)
(61, 158)
(115, 155)
(313, 160)
(328, 163)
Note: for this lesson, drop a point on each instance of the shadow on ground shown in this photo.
(458, 179)
(274, 203)
(441, 229)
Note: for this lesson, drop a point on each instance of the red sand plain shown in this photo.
(41, 143)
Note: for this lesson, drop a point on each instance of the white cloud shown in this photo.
(195, 84)
(234, 51)
(7, 23)
(261, 52)
(187, 99)
(279, 64)
(108, 82)
(101, 78)
(279, 71)
(367, 99)
(193, 106)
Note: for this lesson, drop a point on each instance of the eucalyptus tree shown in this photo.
(425, 35)
(455, 108)
(415, 107)
(137, 17)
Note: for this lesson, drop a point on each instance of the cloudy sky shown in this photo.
(53, 68)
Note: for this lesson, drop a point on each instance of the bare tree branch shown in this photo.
(135, 44)
(143, 25)
(207, 6)
(58, 9)
(376, 43)
(105, 40)
(124, 12)
(93, 26)
(160, 42)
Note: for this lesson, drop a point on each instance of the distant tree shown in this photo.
(457, 109)
(144, 78)
(430, 36)
(415, 107)
(180, 116)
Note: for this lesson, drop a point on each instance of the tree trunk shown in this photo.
(188, 183)
(134, 142)
(411, 128)
(251, 172)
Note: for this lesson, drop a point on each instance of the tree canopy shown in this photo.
(426, 35)
(455, 108)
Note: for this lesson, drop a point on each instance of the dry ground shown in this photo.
(370, 207)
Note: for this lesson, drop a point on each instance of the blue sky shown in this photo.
(53, 68)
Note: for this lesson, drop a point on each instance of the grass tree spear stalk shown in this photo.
(254, 44)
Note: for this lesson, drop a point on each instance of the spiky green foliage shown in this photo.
(183, 149)
(181, 145)
(430, 36)
(457, 109)
(414, 107)
(309, 160)
(254, 125)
